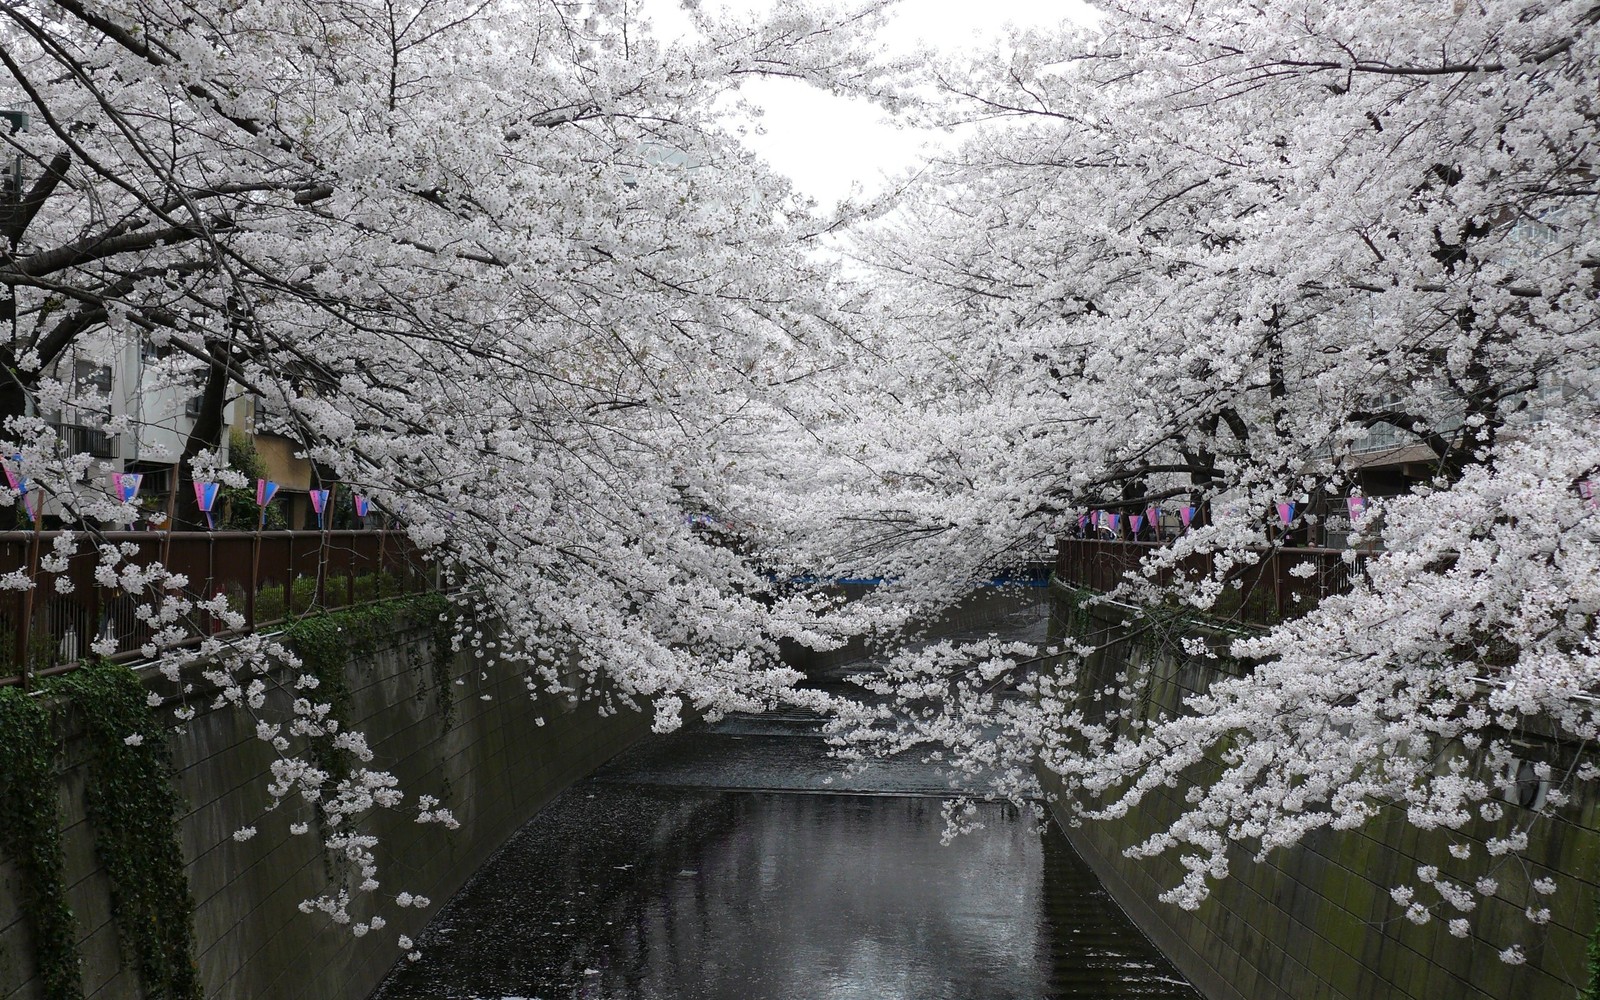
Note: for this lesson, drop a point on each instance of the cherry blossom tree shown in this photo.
(502, 267)
(1194, 255)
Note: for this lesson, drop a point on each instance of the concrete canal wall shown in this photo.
(489, 759)
(1317, 921)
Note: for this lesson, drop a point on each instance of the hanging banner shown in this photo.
(1186, 515)
(319, 500)
(1136, 522)
(126, 485)
(1286, 513)
(1116, 523)
(15, 478)
(265, 489)
(1094, 519)
(205, 497)
(1587, 491)
(1153, 515)
(362, 504)
(1358, 507)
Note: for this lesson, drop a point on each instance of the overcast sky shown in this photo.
(824, 143)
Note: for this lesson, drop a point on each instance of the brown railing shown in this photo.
(269, 576)
(1281, 583)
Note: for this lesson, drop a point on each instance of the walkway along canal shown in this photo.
(728, 861)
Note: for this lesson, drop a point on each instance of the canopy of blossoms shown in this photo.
(505, 270)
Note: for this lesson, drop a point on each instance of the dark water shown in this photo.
(721, 864)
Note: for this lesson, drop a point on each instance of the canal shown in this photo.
(730, 862)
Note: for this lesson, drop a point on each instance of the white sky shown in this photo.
(827, 144)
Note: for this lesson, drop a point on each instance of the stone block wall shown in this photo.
(494, 767)
(1317, 921)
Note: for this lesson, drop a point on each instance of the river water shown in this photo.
(726, 862)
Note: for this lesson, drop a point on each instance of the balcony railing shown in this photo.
(82, 438)
(270, 577)
(1280, 583)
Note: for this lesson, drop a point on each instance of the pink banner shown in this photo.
(1286, 513)
(1358, 507)
(126, 485)
(205, 497)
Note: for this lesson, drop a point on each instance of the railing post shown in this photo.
(27, 595)
(288, 578)
(322, 549)
(211, 580)
(1277, 582)
(94, 628)
(255, 581)
(383, 570)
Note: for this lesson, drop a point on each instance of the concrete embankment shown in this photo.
(483, 751)
(1317, 920)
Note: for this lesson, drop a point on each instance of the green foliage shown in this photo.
(302, 597)
(238, 503)
(30, 834)
(134, 807)
(131, 800)
(327, 642)
(435, 609)
(1072, 612)
(303, 594)
(324, 647)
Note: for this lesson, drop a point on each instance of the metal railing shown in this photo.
(1281, 583)
(269, 576)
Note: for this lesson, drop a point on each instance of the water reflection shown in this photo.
(730, 863)
(651, 892)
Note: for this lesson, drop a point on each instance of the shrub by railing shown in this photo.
(1281, 582)
(270, 577)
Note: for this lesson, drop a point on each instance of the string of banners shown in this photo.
(126, 487)
(17, 481)
(1287, 510)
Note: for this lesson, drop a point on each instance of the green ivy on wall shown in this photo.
(436, 611)
(131, 800)
(326, 643)
(30, 834)
(134, 808)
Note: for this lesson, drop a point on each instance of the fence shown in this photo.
(1280, 583)
(269, 576)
